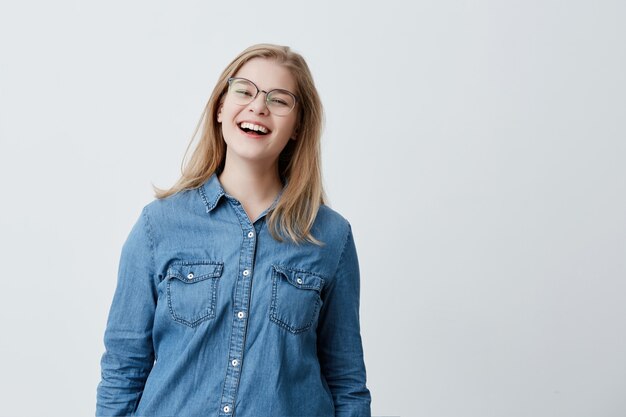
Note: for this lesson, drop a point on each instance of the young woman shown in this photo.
(238, 288)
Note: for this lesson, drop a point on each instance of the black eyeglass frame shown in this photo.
(258, 90)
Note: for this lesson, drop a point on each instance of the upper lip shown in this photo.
(254, 122)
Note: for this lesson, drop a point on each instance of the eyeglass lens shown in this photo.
(279, 102)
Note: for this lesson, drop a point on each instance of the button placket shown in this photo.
(241, 306)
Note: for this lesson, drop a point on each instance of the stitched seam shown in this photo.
(273, 305)
(150, 238)
(343, 250)
(204, 199)
(206, 313)
(176, 273)
(296, 330)
(150, 235)
(298, 270)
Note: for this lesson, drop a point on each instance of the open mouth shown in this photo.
(253, 128)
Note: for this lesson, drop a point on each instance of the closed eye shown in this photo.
(243, 93)
(279, 101)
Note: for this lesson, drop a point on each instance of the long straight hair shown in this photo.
(299, 163)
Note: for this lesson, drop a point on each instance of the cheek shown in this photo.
(290, 126)
(227, 112)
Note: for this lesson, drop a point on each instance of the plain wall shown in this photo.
(477, 148)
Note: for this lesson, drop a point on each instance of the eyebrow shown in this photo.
(271, 89)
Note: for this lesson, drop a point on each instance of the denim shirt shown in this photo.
(213, 317)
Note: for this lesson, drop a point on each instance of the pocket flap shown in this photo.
(194, 271)
(301, 279)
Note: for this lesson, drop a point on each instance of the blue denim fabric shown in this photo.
(213, 317)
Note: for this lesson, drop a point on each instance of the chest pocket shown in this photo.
(192, 290)
(296, 300)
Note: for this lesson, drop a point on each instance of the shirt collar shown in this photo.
(211, 192)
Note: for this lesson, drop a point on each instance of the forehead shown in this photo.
(267, 74)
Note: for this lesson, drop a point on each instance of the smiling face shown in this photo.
(251, 132)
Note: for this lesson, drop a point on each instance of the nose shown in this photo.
(258, 105)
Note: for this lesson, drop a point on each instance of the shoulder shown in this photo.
(174, 206)
(181, 201)
(332, 227)
(331, 217)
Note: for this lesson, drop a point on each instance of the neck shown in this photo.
(250, 183)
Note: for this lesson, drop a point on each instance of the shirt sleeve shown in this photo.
(129, 353)
(340, 350)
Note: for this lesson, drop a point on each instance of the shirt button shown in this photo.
(250, 234)
(226, 409)
(190, 275)
(235, 362)
(241, 314)
(246, 273)
(299, 280)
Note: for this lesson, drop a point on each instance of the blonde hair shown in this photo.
(299, 162)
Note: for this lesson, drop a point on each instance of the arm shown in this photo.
(129, 353)
(339, 344)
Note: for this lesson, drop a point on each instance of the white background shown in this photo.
(477, 148)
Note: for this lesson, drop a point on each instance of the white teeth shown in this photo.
(246, 125)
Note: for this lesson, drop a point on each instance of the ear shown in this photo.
(294, 135)
(219, 113)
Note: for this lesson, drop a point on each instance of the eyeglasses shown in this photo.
(279, 102)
